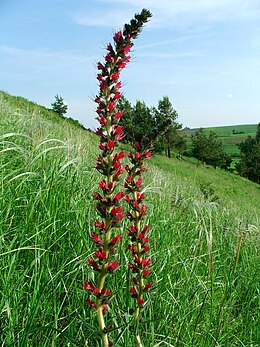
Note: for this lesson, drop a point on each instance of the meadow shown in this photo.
(230, 136)
(204, 234)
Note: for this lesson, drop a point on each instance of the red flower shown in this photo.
(147, 287)
(102, 121)
(103, 185)
(99, 111)
(95, 292)
(140, 301)
(142, 211)
(146, 249)
(92, 263)
(100, 254)
(110, 144)
(135, 281)
(118, 85)
(137, 146)
(119, 114)
(146, 262)
(111, 106)
(101, 225)
(109, 58)
(118, 130)
(134, 292)
(146, 240)
(139, 182)
(126, 49)
(117, 165)
(114, 76)
(100, 66)
(96, 238)
(88, 286)
(119, 155)
(121, 64)
(118, 36)
(111, 266)
(91, 303)
(100, 77)
(114, 240)
(103, 85)
(129, 179)
(118, 196)
(127, 198)
(133, 229)
(110, 48)
(148, 154)
(145, 228)
(116, 210)
(117, 96)
(136, 205)
(132, 248)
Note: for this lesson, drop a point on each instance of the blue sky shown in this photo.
(203, 54)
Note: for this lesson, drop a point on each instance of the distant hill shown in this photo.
(230, 135)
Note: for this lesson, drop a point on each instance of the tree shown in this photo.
(180, 144)
(58, 106)
(165, 111)
(249, 165)
(145, 124)
(143, 121)
(209, 149)
(137, 121)
(199, 145)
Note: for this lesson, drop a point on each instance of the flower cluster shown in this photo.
(110, 132)
(137, 232)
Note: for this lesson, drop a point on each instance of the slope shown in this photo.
(204, 243)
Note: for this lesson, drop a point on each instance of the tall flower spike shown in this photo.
(137, 230)
(109, 165)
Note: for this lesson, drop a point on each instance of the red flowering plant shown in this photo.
(108, 201)
(137, 231)
(140, 264)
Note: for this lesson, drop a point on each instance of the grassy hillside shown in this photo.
(204, 243)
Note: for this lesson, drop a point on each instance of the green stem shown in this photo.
(101, 324)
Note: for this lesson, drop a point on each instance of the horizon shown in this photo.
(202, 55)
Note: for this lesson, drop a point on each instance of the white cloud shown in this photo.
(180, 13)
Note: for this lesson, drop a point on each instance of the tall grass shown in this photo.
(205, 253)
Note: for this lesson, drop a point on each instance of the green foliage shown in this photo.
(47, 213)
(58, 106)
(209, 149)
(249, 165)
(143, 124)
(163, 112)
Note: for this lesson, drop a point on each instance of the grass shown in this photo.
(204, 243)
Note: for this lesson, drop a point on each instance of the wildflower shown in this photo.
(137, 233)
(109, 165)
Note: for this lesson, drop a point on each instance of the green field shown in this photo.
(204, 234)
(229, 139)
